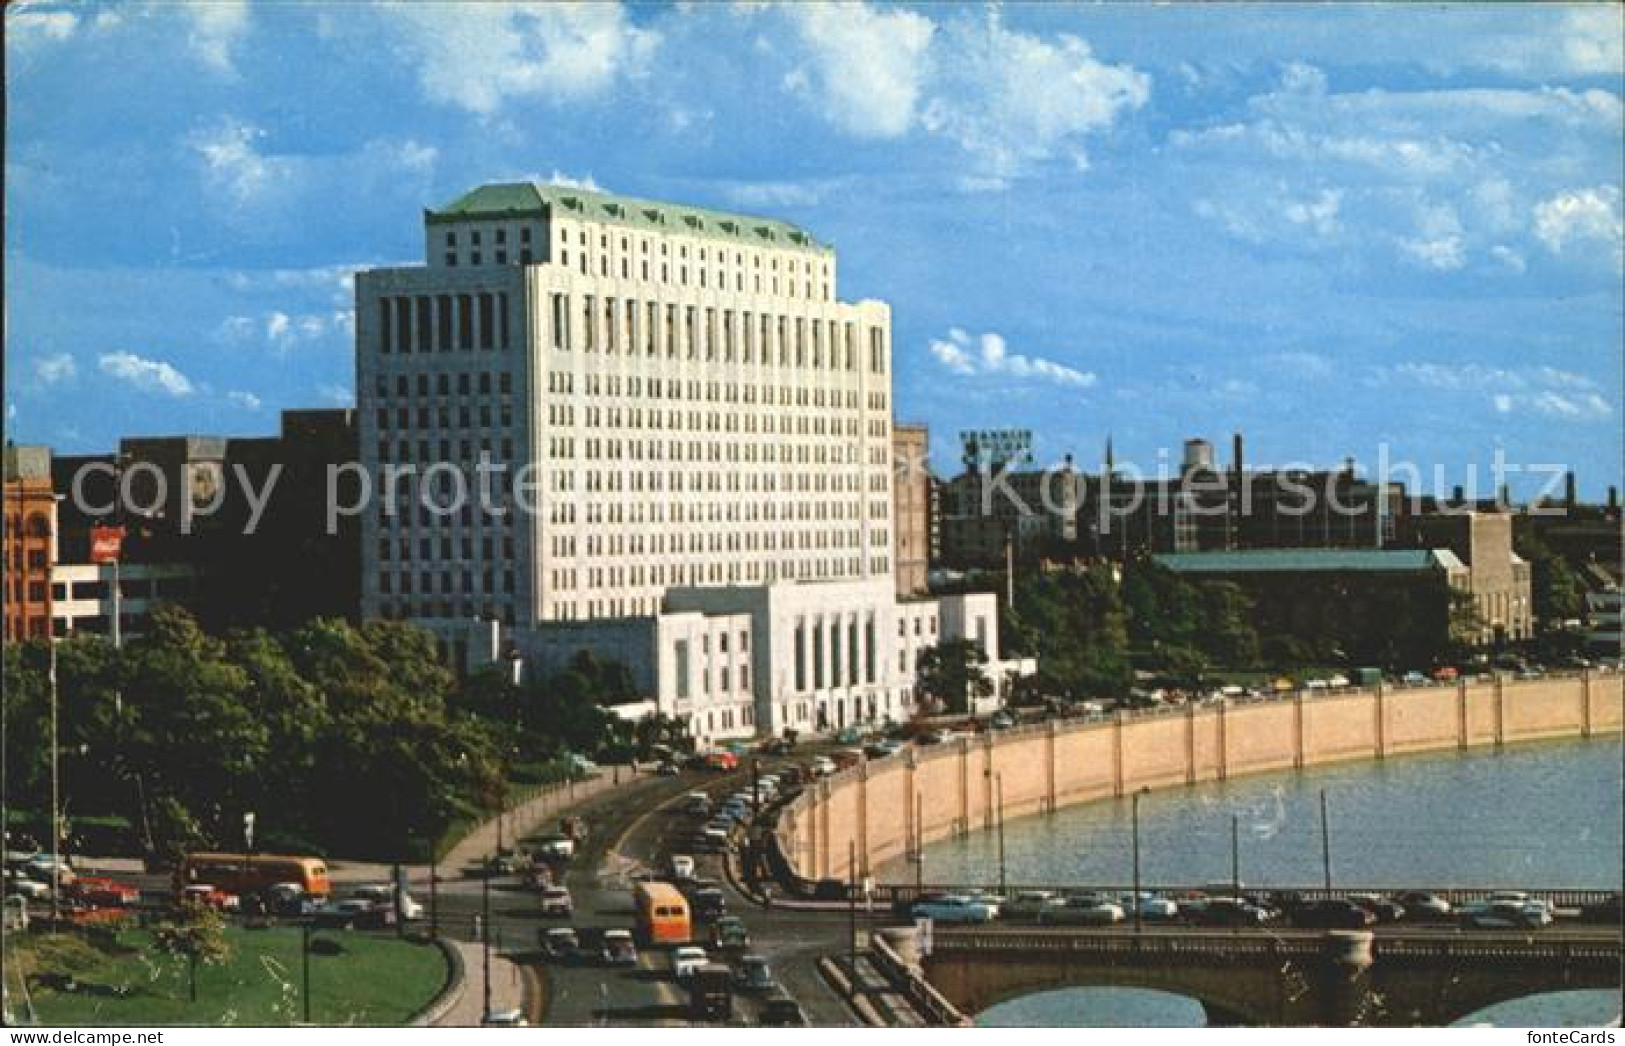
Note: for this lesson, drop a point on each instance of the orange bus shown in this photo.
(662, 914)
(252, 873)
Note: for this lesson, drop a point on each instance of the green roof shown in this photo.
(1304, 561)
(531, 199)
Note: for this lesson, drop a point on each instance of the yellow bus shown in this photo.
(662, 914)
(252, 873)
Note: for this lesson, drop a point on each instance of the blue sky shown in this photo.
(1327, 227)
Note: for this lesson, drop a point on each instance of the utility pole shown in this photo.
(56, 802)
(1134, 814)
(1235, 853)
(485, 940)
(304, 966)
(919, 845)
(1325, 842)
(852, 913)
(998, 788)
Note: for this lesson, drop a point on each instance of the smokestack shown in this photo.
(1236, 455)
(1458, 495)
(1506, 497)
(1569, 497)
(1613, 499)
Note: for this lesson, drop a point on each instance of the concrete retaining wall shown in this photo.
(950, 788)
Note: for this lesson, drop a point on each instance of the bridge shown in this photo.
(1296, 978)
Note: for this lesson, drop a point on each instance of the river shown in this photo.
(1545, 814)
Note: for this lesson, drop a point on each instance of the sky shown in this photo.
(1368, 231)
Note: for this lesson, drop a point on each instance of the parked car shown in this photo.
(781, 1011)
(754, 975)
(203, 893)
(19, 884)
(695, 804)
(1507, 915)
(1152, 906)
(1332, 915)
(1002, 721)
(102, 892)
(1225, 911)
(728, 933)
(618, 948)
(1421, 906)
(384, 894)
(682, 866)
(559, 943)
(1083, 910)
(668, 769)
(686, 960)
(823, 766)
(1386, 911)
(513, 1018)
(353, 914)
(1026, 904)
(556, 846)
(954, 908)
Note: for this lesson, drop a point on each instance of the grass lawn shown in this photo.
(372, 980)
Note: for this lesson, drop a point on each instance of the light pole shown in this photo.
(852, 914)
(1325, 842)
(56, 802)
(304, 965)
(1235, 853)
(919, 845)
(485, 940)
(1134, 817)
(998, 788)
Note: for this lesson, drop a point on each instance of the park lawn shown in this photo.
(372, 980)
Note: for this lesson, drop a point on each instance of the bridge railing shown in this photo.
(1565, 898)
(1484, 946)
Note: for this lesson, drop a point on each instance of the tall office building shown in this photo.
(697, 435)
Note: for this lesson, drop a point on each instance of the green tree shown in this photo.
(953, 673)
(194, 933)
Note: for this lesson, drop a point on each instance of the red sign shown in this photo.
(106, 543)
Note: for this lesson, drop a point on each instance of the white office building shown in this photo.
(695, 436)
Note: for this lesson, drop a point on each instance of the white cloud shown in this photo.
(1508, 257)
(147, 375)
(56, 369)
(1011, 99)
(28, 25)
(1580, 215)
(245, 400)
(1542, 390)
(338, 395)
(234, 165)
(217, 27)
(1443, 253)
(1319, 214)
(774, 195)
(865, 67)
(991, 356)
(478, 56)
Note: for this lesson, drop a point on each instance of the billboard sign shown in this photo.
(990, 449)
(106, 544)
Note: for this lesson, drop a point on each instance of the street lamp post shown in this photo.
(1235, 853)
(852, 913)
(1134, 816)
(304, 967)
(56, 801)
(485, 940)
(1325, 842)
(998, 788)
(919, 845)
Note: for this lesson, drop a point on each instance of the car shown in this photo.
(1002, 721)
(1151, 905)
(1224, 911)
(722, 761)
(204, 894)
(754, 975)
(384, 894)
(715, 838)
(514, 1018)
(1607, 910)
(1420, 905)
(1507, 915)
(668, 770)
(618, 948)
(953, 908)
(687, 959)
(728, 933)
(1085, 909)
(1516, 897)
(695, 804)
(1026, 904)
(1332, 914)
(20, 885)
(1414, 678)
(556, 846)
(781, 1011)
(556, 901)
(708, 904)
(1386, 911)
(354, 913)
(823, 766)
(102, 892)
(682, 866)
(559, 943)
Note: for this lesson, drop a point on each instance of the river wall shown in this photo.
(953, 788)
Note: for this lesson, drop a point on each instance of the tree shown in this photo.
(195, 933)
(952, 672)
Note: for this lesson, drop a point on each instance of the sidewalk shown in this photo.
(507, 988)
(531, 816)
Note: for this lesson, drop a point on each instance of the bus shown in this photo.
(252, 873)
(662, 914)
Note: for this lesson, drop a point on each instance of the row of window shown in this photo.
(426, 323)
(694, 332)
